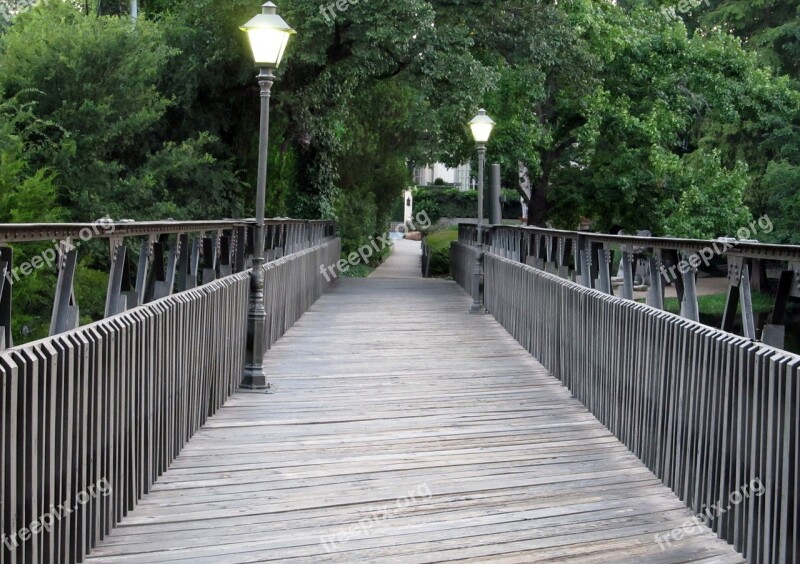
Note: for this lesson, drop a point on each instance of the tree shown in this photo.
(630, 116)
(770, 27)
(103, 108)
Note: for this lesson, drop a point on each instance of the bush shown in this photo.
(438, 243)
(452, 202)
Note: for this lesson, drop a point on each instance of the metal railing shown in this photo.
(586, 258)
(146, 260)
(90, 417)
(707, 411)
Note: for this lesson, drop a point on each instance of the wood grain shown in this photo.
(388, 386)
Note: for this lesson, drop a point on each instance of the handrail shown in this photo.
(173, 256)
(743, 248)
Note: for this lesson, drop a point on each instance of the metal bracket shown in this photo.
(142, 272)
(603, 282)
(735, 265)
(627, 272)
(795, 291)
(115, 301)
(739, 292)
(655, 295)
(66, 314)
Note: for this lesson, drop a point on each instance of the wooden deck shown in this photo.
(386, 388)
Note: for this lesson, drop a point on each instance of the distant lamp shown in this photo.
(481, 126)
(269, 34)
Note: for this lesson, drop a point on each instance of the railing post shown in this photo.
(6, 264)
(495, 213)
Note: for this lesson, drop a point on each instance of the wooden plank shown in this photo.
(386, 387)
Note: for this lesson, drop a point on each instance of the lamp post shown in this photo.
(481, 126)
(268, 35)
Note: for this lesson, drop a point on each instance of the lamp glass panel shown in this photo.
(268, 45)
(481, 131)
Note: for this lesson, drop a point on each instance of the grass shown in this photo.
(357, 271)
(439, 245)
(714, 304)
(440, 240)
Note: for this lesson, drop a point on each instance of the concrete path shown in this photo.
(404, 262)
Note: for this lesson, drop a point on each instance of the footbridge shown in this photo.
(564, 424)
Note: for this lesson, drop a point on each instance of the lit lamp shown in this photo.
(268, 35)
(481, 126)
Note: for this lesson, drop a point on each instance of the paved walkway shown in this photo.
(404, 262)
(403, 429)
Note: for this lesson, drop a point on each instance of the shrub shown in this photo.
(452, 202)
(438, 243)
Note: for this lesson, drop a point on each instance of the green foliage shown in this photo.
(626, 118)
(771, 27)
(714, 304)
(357, 271)
(90, 290)
(455, 203)
(94, 82)
(438, 243)
(781, 182)
(711, 201)
(618, 112)
(357, 221)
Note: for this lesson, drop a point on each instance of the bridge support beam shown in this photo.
(66, 314)
(627, 273)
(655, 295)
(6, 261)
(689, 306)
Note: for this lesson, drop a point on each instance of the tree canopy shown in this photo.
(639, 114)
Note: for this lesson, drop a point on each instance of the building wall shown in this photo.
(428, 174)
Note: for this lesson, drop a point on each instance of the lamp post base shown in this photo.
(253, 377)
(254, 380)
(477, 283)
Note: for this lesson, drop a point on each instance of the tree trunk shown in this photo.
(538, 208)
(524, 186)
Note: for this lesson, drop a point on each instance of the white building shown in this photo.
(459, 176)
